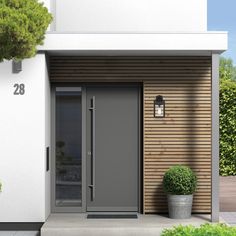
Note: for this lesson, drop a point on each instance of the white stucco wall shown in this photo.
(47, 143)
(23, 143)
(109, 16)
(134, 43)
(47, 3)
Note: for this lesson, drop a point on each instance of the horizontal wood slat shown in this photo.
(74, 68)
(183, 136)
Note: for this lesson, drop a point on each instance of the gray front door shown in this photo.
(112, 148)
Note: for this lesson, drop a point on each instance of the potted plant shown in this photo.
(180, 182)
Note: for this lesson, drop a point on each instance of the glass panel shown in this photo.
(68, 148)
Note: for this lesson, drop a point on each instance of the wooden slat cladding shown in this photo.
(182, 137)
(72, 69)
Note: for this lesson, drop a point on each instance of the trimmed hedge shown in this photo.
(179, 180)
(227, 127)
(203, 230)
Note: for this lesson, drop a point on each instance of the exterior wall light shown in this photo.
(159, 107)
(16, 66)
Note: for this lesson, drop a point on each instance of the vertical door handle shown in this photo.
(93, 147)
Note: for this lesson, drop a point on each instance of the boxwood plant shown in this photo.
(203, 230)
(180, 180)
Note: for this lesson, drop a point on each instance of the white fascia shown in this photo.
(149, 42)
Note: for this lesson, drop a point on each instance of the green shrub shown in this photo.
(23, 24)
(227, 69)
(0, 186)
(227, 127)
(203, 230)
(179, 180)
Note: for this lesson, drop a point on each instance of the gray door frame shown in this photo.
(215, 207)
(62, 209)
(82, 86)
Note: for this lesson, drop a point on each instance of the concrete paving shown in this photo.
(78, 224)
(228, 194)
(229, 217)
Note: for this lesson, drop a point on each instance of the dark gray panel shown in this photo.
(26, 226)
(112, 216)
(116, 163)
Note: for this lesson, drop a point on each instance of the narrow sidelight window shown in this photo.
(68, 177)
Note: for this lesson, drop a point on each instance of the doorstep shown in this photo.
(78, 225)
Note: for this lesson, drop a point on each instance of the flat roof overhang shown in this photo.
(135, 44)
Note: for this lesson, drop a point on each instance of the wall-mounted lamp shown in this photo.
(16, 66)
(159, 107)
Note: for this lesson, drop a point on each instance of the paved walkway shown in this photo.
(78, 224)
(228, 199)
(229, 217)
(228, 194)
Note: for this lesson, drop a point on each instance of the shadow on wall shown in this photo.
(188, 138)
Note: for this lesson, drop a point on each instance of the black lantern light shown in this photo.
(159, 107)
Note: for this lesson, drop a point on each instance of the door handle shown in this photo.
(93, 149)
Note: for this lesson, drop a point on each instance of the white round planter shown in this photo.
(180, 206)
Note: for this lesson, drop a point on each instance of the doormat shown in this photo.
(112, 216)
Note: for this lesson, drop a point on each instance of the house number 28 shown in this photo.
(19, 89)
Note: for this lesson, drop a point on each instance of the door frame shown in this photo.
(67, 209)
(82, 87)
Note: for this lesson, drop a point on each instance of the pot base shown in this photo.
(180, 206)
